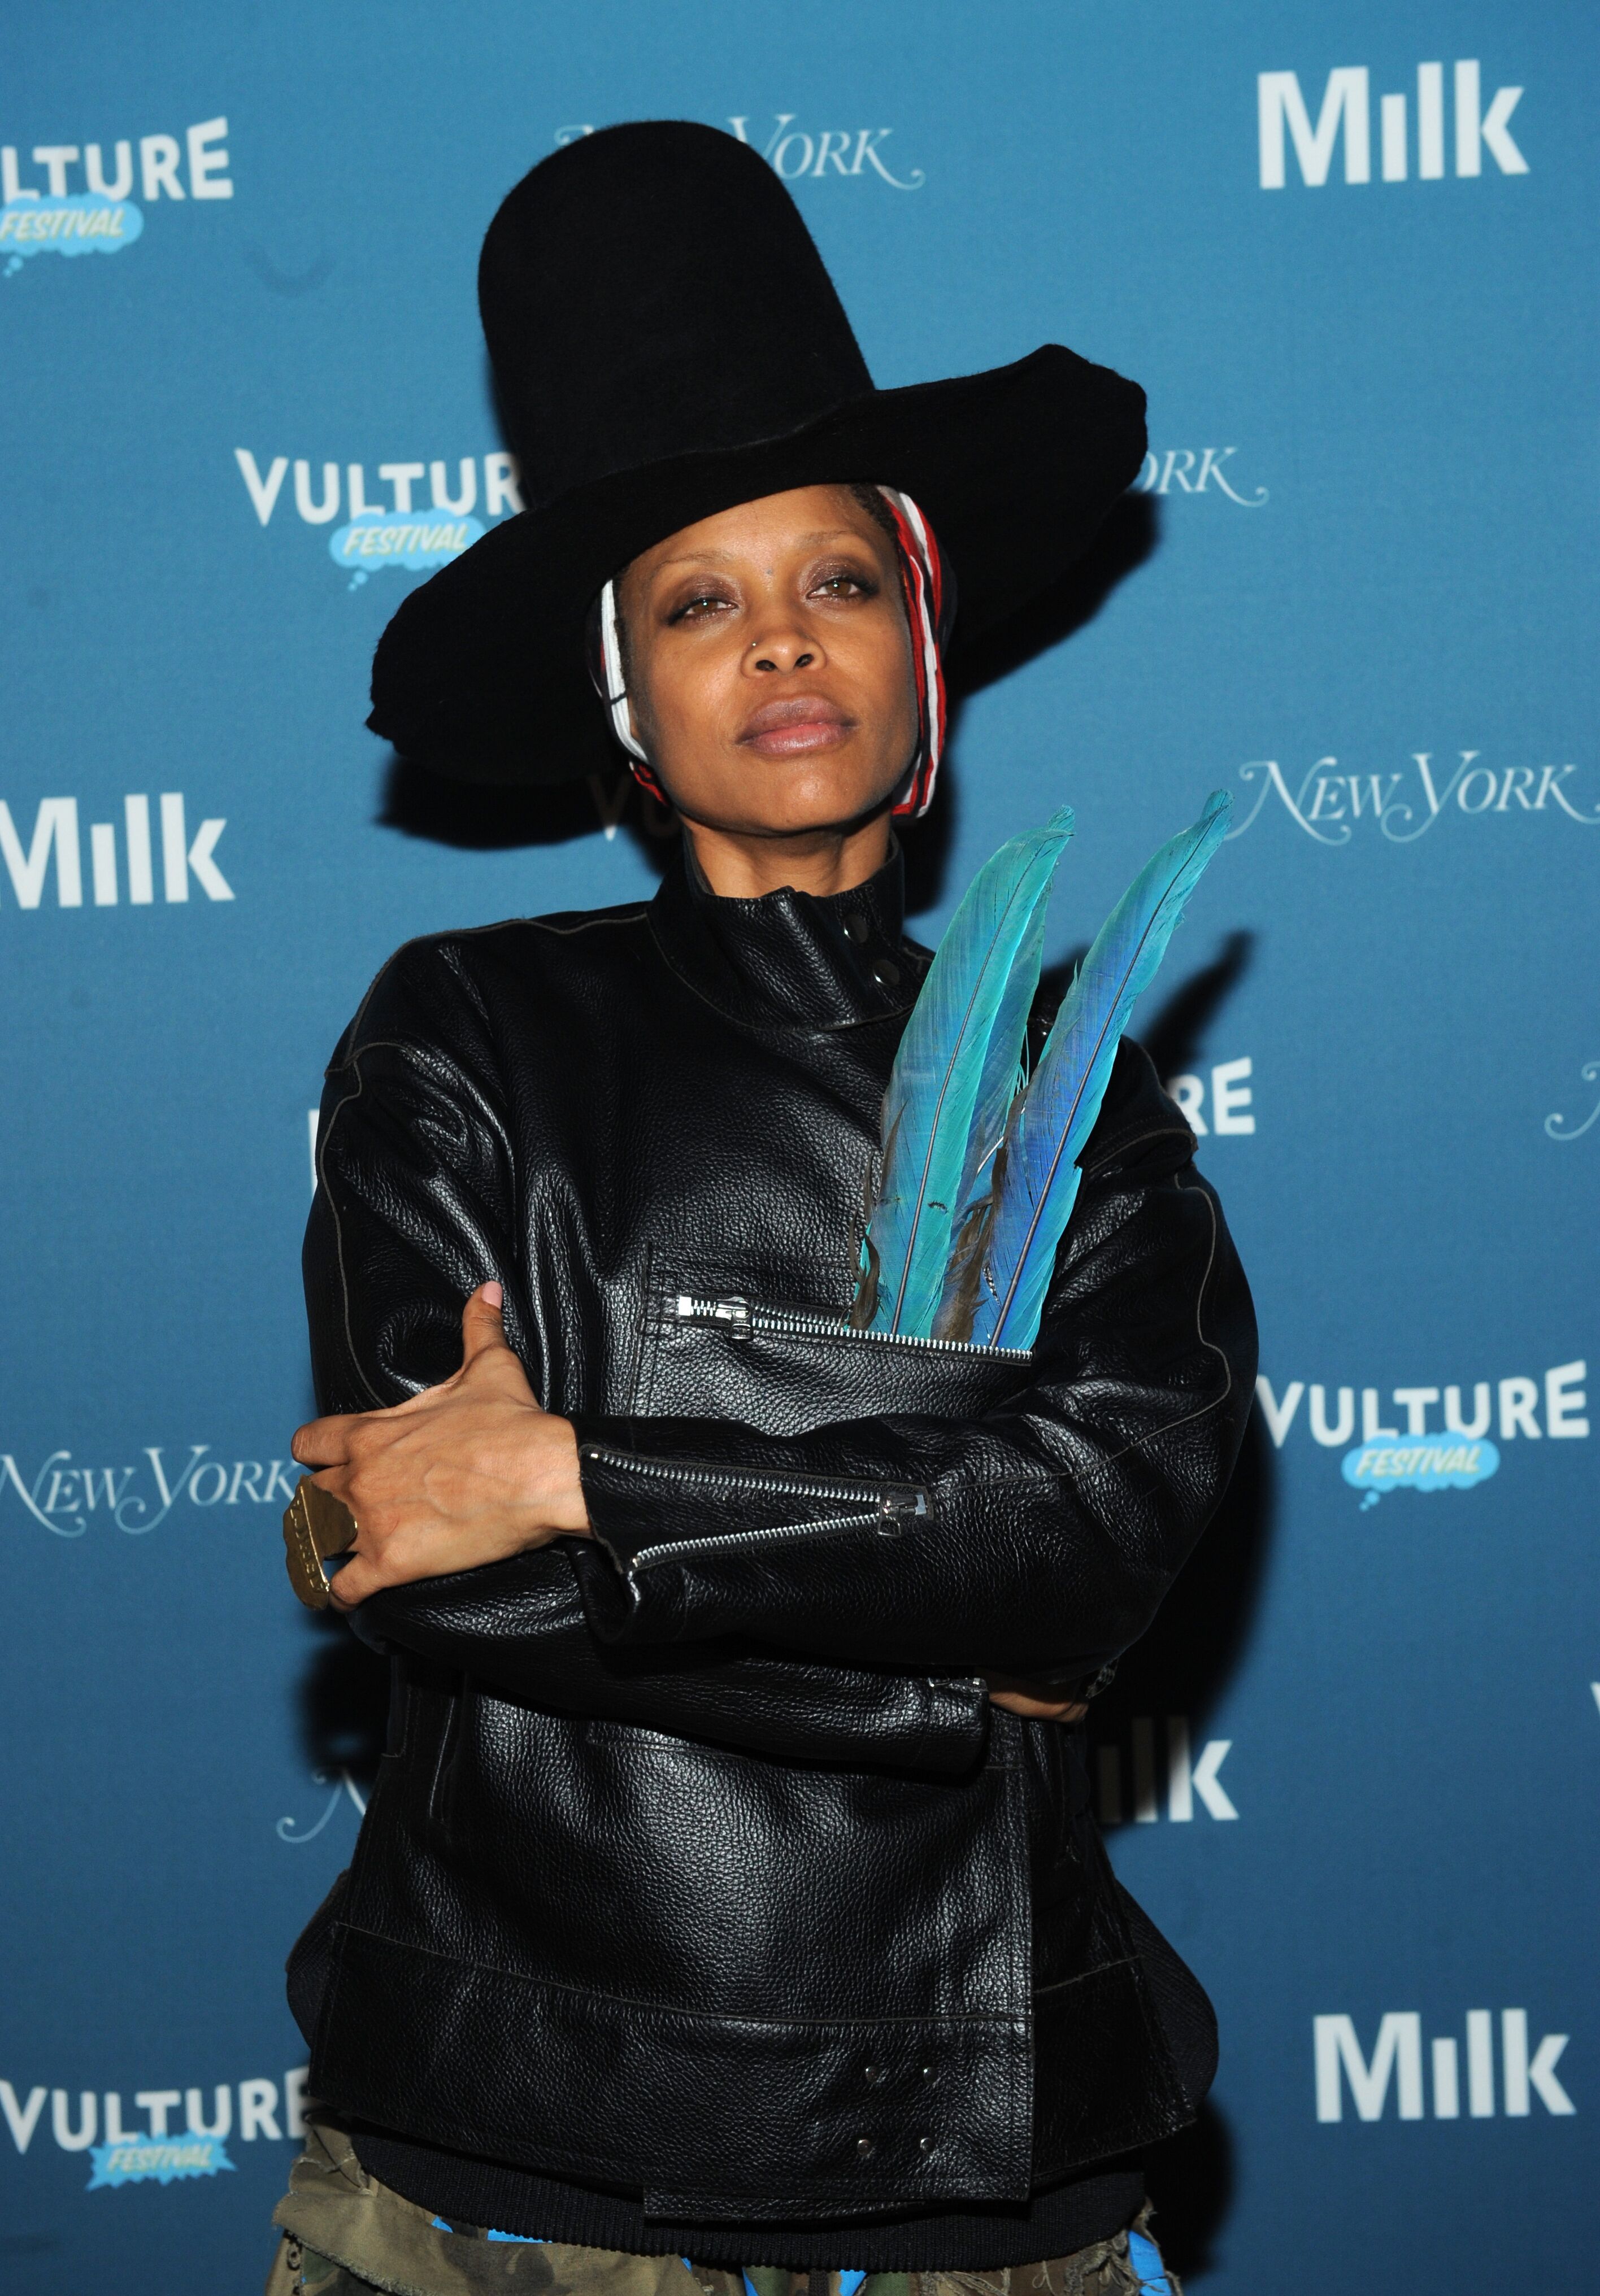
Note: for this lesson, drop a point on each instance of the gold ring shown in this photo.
(316, 1526)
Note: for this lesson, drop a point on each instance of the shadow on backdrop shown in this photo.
(1183, 1662)
(1182, 1667)
(343, 1701)
(1175, 1033)
(1190, 2180)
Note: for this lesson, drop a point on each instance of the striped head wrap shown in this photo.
(930, 596)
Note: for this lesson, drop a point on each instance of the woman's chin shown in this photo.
(805, 795)
(826, 793)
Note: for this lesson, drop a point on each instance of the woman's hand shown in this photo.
(465, 1473)
(1033, 1700)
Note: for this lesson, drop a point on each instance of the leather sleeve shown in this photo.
(1037, 1541)
(413, 1208)
(520, 1628)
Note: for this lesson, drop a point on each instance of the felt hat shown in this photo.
(665, 344)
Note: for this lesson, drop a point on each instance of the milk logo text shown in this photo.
(1395, 2064)
(114, 877)
(1134, 1789)
(1284, 122)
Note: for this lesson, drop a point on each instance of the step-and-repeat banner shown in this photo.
(1349, 249)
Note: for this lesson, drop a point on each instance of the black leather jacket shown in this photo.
(700, 1862)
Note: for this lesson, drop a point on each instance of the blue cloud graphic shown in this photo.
(1430, 1463)
(419, 541)
(85, 223)
(156, 2159)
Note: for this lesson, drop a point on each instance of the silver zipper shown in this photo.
(886, 1511)
(743, 1321)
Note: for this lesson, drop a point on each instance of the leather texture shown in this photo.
(699, 1865)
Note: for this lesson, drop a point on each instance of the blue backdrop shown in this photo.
(1346, 248)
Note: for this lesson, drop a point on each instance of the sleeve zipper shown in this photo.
(886, 1510)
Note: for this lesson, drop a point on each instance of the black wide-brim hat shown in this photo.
(665, 344)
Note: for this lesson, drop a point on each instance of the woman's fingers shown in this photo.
(465, 1473)
(336, 1441)
(353, 1582)
(482, 1323)
(1035, 1701)
(322, 1442)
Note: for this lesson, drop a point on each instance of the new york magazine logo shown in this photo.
(340, 1786)
(1171, 471)
(85, 205)
(1447, 1442)
(430, 515)
(1559, 1126)
(797, 147)
(1333, 803)
(68, 1496)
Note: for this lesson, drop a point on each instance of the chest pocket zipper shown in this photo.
(742, 1320)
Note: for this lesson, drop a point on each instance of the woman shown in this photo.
(730, 1892)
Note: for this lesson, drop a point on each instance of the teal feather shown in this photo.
(954, 1076)
(1004, 1073)
(1050, 1121)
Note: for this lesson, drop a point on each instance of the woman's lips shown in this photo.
(796, 728)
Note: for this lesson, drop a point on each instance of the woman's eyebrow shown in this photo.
(730, 558)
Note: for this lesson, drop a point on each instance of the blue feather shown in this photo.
(1003, 1078)
(1051, 1120)
(955, 1068)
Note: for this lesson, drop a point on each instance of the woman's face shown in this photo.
(770, 665)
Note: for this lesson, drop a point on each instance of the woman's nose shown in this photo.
(780, 646)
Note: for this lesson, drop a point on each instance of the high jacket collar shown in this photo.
(790, 959)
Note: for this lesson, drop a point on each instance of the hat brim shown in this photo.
(480, 675)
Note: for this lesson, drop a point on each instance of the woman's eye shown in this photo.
(844, 585)
(697, 609)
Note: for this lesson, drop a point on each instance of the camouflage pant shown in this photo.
(346, 2235)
